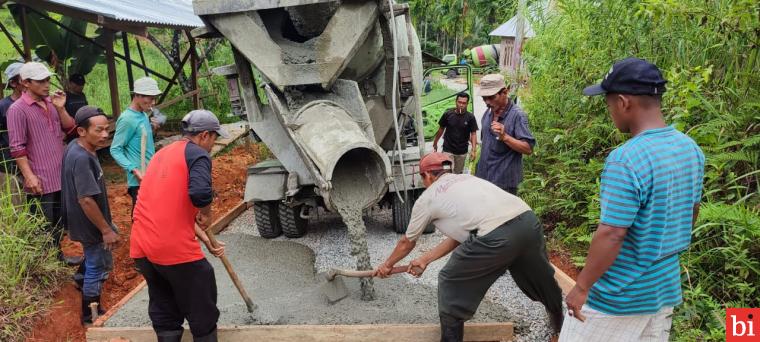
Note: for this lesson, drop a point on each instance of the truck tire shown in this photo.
(293, 225)
(402, 212)
(267, 219)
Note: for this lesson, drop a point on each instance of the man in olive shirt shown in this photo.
(489, 232)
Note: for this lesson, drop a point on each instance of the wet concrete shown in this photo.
(280, 278)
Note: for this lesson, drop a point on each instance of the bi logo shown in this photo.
(742, 325)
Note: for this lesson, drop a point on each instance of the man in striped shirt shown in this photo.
(37, 125)
(650, 192)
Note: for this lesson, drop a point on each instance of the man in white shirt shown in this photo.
(489, 231)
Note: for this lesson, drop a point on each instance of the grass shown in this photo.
(29, 269)
(708, 52)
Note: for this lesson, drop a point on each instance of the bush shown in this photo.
(29, 268)
(708, 51)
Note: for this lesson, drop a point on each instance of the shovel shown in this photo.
(335, 289)
(235, 280)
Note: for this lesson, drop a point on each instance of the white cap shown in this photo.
(146, 86)
(34, 71)
(12, 71)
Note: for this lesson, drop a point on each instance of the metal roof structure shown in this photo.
(509, 29)
(121, 14)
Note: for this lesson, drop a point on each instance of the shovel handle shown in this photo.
(364, 274)
(233, 276)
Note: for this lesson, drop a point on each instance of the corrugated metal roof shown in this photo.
(509, 29)
(156, 12)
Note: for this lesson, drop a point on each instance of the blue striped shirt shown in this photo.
(649, 186)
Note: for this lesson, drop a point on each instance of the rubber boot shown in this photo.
(170, 336)
(208, 338)
(452, 329)
(86, 312)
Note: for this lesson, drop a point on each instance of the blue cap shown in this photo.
(631, 76)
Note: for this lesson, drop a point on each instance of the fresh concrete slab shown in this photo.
(280, 278)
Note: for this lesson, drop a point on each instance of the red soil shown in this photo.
(61, 322)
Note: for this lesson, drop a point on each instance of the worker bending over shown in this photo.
(489, 231)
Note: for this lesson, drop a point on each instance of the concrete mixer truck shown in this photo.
(337, 104)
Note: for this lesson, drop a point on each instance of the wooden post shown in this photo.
(194, 69)
(111, 64)
(127, 55)
(248, 88)
(142, 57)
(25, 35)
(519, 36)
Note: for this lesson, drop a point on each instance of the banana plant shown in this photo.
(65, 52)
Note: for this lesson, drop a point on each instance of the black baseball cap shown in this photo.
(77, 78)
(631, 76)
(87, 112)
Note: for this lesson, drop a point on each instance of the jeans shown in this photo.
(93, 272)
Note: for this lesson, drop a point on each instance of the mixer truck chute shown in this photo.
(331, 120)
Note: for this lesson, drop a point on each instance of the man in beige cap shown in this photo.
(505, 136)
(132, 146)
(37, 125)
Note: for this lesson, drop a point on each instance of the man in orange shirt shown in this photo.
(164, 243)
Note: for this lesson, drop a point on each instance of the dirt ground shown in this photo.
(62, 321)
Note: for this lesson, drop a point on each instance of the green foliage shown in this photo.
(64, 51)
(29, 269)
(708, 51)
(458, 23)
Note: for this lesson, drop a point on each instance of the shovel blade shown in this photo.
(335, 290)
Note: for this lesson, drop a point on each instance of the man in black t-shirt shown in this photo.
(458, 128)
(75, 97)
(85, 205)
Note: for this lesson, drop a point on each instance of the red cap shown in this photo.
(435, 161)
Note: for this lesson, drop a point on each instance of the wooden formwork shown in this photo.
(496, 332)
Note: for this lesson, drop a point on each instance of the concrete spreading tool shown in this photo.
(235, 280)
(335, 289)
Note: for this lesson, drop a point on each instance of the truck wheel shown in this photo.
(452, 73)
(267, 220)
(402, 212)
(293, 225)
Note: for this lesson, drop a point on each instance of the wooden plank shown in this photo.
(102, 319)
(565, 282)
(321, 333)
(227, 218)
(178, 98)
